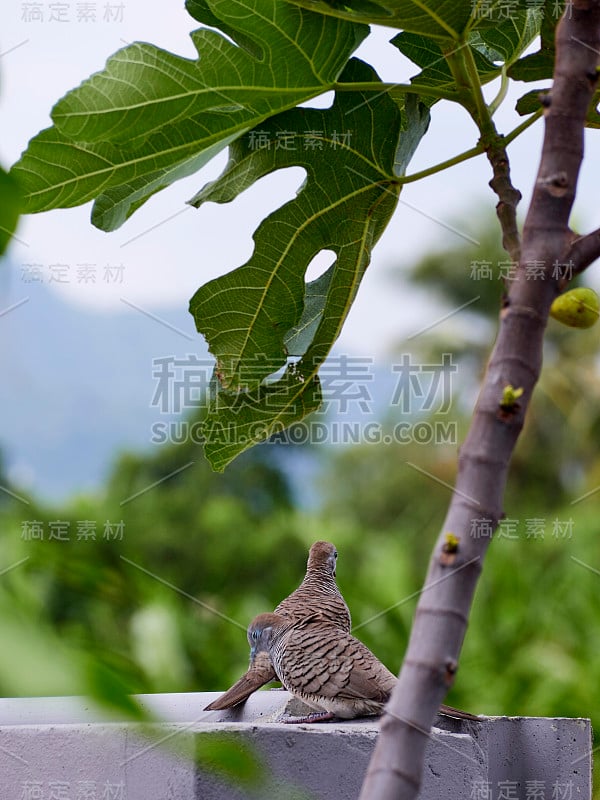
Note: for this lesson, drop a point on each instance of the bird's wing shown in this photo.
(320, 659)
(368, 678)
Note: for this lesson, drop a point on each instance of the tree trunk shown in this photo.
(549, 253)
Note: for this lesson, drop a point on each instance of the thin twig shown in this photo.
(583, 252)
(508, 198)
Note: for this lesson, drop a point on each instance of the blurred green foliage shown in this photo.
(181, 559)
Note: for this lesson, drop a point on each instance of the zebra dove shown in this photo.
(317, 592)
(328, 669)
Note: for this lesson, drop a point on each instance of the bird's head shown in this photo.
(322, 556)
(261, 631)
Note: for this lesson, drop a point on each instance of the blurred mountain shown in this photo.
(77, 385)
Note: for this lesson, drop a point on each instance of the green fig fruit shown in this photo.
(577, 308)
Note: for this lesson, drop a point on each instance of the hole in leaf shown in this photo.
(319, 264)
(324, 100)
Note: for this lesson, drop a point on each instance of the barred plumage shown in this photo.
(328, 669)
(317, 592)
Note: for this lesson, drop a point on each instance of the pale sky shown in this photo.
(168, 249)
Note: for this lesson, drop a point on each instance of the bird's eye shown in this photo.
(254, 635)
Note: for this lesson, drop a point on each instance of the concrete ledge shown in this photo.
(62, 748)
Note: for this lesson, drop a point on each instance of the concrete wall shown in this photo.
(64, 749)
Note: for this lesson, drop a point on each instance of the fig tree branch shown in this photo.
(584, 251)
(462, 66)
(476, 507)
(508, 197)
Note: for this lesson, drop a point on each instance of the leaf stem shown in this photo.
(482, 116)
(401, 88)
(510, 137)
(499, 99)
(455, 59)
(474, 151)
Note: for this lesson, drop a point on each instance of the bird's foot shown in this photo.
(318, 716)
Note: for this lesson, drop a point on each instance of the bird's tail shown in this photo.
(260, 672)
(448, 711)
